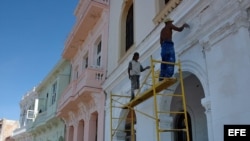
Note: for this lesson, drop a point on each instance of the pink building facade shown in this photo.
(81, 105)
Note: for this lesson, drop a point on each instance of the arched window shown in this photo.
(180, 124)
(127, 28)
(130, 28)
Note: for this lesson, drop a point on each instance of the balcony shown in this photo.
(88, 13)
(88, 82)
(41, 119)
(44, 116)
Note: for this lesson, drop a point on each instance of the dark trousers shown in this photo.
(135, 84)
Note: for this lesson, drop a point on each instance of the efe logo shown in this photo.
(237, 132)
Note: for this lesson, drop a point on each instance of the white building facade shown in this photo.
(28, 107)
(214, 54)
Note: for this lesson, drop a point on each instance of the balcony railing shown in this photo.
(43, 116)
(40, 118)
(90, 77)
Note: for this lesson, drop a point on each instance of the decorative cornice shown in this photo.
(230, 26)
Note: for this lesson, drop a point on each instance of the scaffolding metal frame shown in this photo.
(156, 87)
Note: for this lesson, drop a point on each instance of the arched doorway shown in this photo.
(130, 126)
(180, 124)
(194, 93)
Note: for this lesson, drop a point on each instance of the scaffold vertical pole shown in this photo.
(155, 100)
(184, 101)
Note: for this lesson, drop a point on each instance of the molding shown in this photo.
(212, 30)
(206, 103)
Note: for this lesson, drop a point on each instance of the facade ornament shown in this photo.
(81, 109)
(206, 103)
(71, 117)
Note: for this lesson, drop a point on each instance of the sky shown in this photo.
(32, 37)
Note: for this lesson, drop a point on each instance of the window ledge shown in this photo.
(125, 55)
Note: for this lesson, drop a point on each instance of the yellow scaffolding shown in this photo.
(117, 101)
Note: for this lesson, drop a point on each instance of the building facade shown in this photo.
(212, 53)
(6, 129)
(38, 115)
(46, 126)
(81, 105)
(28, 105)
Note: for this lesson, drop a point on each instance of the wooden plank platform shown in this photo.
(149, 93)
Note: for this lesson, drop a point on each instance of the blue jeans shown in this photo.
(167, 55)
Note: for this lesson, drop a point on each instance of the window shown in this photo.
(46, 101)
(127, 29)
(30, 114)
(98, 54)
(76, 73)
(130, 28)
(85, 62)
(54, 87)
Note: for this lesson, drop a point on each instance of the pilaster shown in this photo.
(206, 103)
